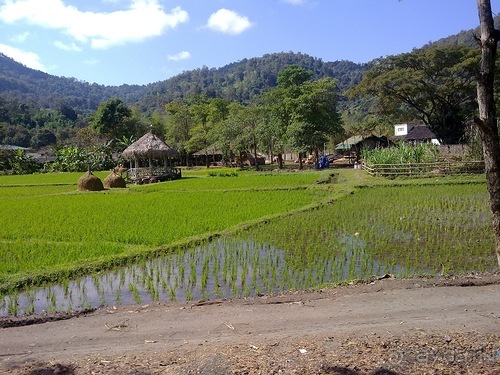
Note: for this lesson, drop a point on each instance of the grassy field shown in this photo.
(47, 227)
(353, 227)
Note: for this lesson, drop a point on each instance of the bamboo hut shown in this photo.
(149, 147)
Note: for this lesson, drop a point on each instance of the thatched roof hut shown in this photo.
(151, 147)
(90, 182)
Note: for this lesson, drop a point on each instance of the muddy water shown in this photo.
(224, 268)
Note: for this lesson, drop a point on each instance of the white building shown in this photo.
(415, 133)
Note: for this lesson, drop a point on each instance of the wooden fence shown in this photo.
(438, 168)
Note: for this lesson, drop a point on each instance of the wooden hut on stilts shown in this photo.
(152, 148)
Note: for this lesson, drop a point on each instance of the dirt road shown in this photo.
(444, 325)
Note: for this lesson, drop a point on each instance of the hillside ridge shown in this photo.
(237, 81)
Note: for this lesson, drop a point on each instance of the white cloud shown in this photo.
(141, 20)
(30, 59)
(295, 2)
(20, 38)
(228, 22)
(67, 47)
(180, 56)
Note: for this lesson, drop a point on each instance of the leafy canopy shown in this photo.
(435, 85)
(306, 109)
(112, 119)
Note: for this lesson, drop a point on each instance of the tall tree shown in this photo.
(239, 133)
(281, 102)
(201, 136)
(305, 109)
(179, 124)
(487, 121)
(315, 117)
(111, 119)
(433, 85)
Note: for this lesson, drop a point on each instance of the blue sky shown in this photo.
(115, 42)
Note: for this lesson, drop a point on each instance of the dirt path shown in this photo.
(445, 325)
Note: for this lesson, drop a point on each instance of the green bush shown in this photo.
(222, 174)
(17, 162)
(77, 159)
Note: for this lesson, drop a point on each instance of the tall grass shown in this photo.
(402, 153)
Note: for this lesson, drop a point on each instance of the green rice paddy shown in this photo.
(231, 235)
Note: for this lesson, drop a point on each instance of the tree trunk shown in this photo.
(207, 160)
(257, 168)
(280, 160)
(487, 122)
(241, 160)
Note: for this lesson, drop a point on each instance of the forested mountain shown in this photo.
(38, 109)
(239, 81)
(242, 81)
(43, 90)
(464, 37)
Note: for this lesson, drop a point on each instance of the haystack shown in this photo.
(114, 180)
(90, 182)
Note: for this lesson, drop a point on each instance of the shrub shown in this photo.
(17, 162)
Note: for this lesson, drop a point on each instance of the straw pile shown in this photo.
(114, 180)
(90, 182)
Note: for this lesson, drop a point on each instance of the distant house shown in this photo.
(414, 133)
(209, 155)
(43, 155)
(356, 143)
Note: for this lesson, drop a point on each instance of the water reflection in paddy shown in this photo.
(223, 268)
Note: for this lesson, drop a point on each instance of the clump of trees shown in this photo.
(435, 85)
(299, 114)
(79, 142)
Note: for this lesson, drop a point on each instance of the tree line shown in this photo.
(434, 85)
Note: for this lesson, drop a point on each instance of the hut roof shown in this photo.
(359, 139)
(417, 133)
(149, 145)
